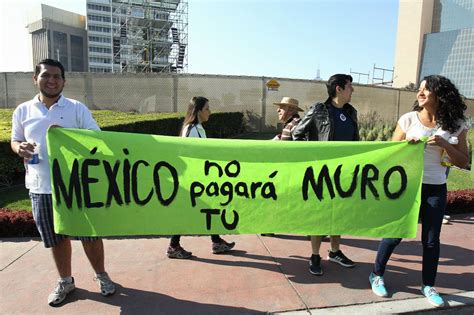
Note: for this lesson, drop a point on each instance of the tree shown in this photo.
(410, 86)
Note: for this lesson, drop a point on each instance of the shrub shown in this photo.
(11, 166)
(374, 128)
(17, 224)
(460, 201)
(220, 125)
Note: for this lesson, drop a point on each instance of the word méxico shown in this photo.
(124, 191)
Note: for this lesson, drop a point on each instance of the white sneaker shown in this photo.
(60, 292)
(446, 219)
(107, 287)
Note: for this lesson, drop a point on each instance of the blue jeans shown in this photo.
(433, 203)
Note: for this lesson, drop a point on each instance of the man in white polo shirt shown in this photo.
(30, 123)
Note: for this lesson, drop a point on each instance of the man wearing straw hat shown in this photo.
(333, 120)
(288, 114)
(288, 109)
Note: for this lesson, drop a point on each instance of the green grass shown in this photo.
(460, 179)
(5, 123)
(15, 198)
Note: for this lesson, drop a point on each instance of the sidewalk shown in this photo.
(263, 274)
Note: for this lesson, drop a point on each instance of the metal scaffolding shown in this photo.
(150, 35)
(382, 76)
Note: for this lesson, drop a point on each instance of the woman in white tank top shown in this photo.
(438, 115)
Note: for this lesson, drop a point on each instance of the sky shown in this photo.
(272, 38)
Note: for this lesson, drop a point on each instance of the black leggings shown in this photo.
(176, 238)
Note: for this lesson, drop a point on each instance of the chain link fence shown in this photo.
(172, 92)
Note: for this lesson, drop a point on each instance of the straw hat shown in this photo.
(291, 102)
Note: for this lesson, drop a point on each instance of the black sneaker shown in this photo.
(222, 247)
(315, 265)
(341, 259)
(178, 252)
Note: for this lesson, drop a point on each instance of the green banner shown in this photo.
(109, 183)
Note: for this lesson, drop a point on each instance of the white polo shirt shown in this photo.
(30, 123)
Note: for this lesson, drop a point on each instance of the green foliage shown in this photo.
(224, 125)
(15, 198)
(11, 166)
(220, 125)
(410, 87)
(374, 128)
(459, 179)
(5, 123)
(470, 141)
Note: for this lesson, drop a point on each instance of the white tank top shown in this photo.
(434, 172)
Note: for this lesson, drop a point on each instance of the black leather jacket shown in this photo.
(318, 124)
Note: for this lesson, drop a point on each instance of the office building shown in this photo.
(436, 37)
(60, 35)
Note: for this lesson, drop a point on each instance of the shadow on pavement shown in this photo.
(20, 239)
(133, 301)
(397, 278)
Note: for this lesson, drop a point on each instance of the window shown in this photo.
(100, 50)
(98, 7)
(77, 53)
(99, 29)
(98, 18)
(99, 39)
(60, 48)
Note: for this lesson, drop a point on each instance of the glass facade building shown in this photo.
(450, 15)
(449, 49)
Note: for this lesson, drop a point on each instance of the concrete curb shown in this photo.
(457, 303)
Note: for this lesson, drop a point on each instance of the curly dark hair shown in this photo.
(451, 104)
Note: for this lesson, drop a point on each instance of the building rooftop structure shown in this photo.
(58, 34)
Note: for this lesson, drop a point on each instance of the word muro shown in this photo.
(369, 174)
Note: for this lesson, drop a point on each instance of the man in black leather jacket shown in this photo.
(333, 120)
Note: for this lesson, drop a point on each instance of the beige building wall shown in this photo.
(43, 11)
(414, 21)
(171, 93)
